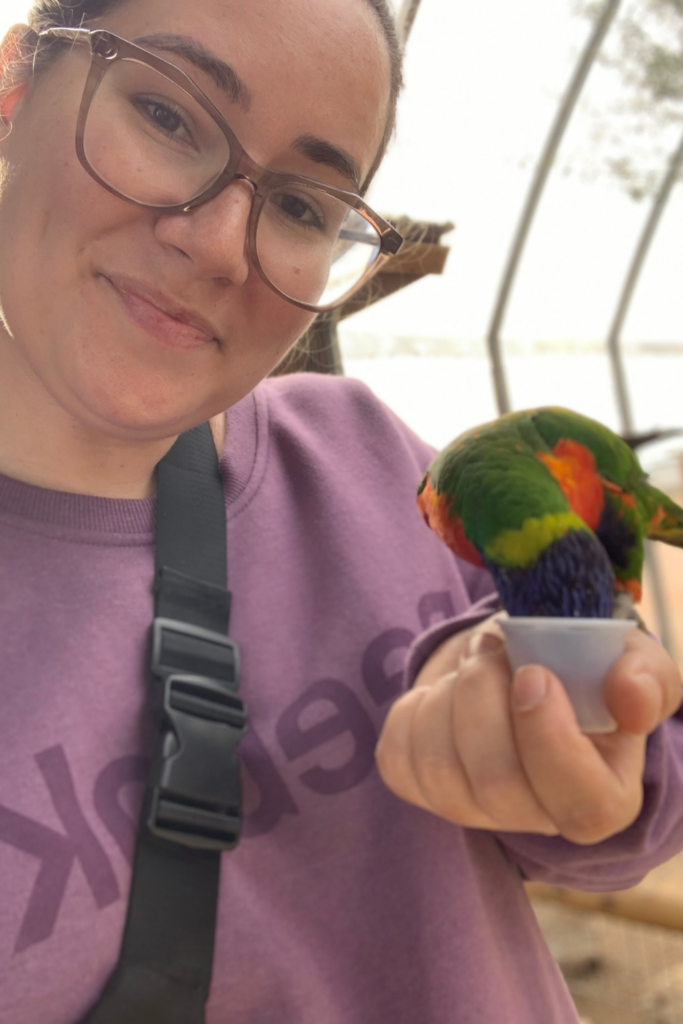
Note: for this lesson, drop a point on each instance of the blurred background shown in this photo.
(484, 83)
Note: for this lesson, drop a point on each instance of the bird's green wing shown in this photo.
(511, 507)
(613, 458)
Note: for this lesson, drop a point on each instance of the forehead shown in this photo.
(311, 67)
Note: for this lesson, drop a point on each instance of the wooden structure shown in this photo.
(631, 904)
(422, 253)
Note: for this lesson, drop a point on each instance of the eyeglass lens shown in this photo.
(154, 143)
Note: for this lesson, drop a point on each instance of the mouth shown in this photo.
(157, 315)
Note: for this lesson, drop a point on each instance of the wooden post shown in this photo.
(632, 904)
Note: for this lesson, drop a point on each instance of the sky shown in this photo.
(483, 81)
(483, 84)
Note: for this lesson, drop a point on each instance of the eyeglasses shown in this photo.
(149, 135)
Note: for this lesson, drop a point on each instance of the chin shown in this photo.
(139, 407)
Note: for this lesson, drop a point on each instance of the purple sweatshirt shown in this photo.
(342, 904)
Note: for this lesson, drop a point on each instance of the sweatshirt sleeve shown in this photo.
(426, 643)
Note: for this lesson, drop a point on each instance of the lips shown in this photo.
(160, 317)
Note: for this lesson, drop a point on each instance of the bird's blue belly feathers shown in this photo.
(572, 578)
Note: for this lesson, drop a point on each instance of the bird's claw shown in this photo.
(624, 608)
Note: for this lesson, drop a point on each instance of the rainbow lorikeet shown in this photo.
(555, 506)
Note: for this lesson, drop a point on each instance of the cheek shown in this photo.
(271, 327)
(46, 194)
(153, 392)
(45, 204)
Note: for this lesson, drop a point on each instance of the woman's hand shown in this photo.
(486, 749)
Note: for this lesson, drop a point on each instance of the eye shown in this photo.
(164, 117)
(299, 209)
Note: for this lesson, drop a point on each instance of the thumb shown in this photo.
(541, 705)
(589, 787)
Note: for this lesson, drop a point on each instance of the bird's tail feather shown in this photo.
(664, 518)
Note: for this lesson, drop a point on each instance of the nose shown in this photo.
(215, 235)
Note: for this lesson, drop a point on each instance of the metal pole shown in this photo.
(661, 611)
(538, 184)
(405, 19)
(642, 249)
(614, 351)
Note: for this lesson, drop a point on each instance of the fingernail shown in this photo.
(529, 687)
(484, 643)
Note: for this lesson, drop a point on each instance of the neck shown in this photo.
(43, 445)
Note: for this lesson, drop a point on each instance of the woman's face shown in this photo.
(78, 265)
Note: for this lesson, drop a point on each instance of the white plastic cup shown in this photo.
(579, 651)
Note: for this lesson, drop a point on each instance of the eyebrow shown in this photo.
(322, 152)
(224, 76)
(227, 79)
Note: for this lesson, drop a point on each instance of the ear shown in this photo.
(9, 101)
(12, 49)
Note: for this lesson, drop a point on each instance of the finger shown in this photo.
(418, 761)
(643, 687)
(487, 636)
(590, 787)
(393, 754)
(484, 738)
(453, 651)
(436, 766)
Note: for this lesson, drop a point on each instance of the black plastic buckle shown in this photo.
(196, 792)
(179, 647)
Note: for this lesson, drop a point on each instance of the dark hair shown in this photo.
(75, 13)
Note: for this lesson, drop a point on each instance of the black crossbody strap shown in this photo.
(192, 807)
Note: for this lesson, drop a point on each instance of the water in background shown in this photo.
(439, 396)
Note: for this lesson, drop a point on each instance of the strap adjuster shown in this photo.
(180, 647)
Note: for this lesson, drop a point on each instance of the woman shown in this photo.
(131, 313)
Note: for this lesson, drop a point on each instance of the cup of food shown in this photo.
(579, 651)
